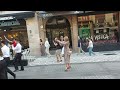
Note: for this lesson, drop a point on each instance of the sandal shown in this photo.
(69, 67)
(60, 60)
(66, 70)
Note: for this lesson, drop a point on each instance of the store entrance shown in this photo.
(15, 31)
(56, 27)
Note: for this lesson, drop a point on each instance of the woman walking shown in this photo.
(47, 46)
(90, 47)
(42, 46)
(67, 52)
(62, 40)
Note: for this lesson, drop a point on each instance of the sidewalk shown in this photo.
(81, 58)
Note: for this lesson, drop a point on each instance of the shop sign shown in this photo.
(84, 18)
(102, 37)
(84, 32)
(9, 23)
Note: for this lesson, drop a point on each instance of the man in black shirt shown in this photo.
(80, 44)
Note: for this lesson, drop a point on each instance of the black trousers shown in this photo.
(7, 59)
(17, 61)
(3, 70)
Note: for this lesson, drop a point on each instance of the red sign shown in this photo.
(84, 18)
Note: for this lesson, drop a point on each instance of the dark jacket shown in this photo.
(3, 72)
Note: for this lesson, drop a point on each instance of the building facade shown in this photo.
(30, 26)
(22, 25)
(101, 26)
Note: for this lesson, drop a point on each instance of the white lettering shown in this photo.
(9, 23)
(102, 36)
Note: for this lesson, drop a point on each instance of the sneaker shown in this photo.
(21, 70)
(15, 70)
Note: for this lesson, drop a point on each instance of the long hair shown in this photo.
(66, 38)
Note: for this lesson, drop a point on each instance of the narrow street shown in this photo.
(96, 70)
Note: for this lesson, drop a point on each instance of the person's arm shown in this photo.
(7, 39)
(55, 43)
(80, 44)
(88, 44)
(63, 43)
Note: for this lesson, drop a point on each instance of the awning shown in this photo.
(19, 15)
(57, 13)
(79, 13)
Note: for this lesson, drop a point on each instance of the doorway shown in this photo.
(56, 27)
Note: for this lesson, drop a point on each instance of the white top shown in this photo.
(47, 44)
(90, 44)
(5, 51)
(18, 48)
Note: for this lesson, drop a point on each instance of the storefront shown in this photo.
(22, 26)
(14, 29)
(56, 27)
(102, 28)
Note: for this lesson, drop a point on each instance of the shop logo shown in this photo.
(9, 23)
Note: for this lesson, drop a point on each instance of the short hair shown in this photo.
(3, 42)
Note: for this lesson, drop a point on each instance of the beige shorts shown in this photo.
(58, 52)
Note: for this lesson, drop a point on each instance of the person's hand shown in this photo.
(56, 39)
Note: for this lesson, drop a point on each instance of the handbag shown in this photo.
(69, 52)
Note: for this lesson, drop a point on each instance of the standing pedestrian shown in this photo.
(90, 47)
(67, 52)
(42, 48)
(80, 44)
(58, 51)
(47, 46)
(6, 56)
(17, 59)
(62, 40)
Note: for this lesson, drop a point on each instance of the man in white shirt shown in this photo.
(6, 56)
(47, 46)
(17, 58)
(90, 47)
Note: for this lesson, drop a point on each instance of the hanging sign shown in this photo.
(83, 18)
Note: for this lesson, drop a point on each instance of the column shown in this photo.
(42, 29)
(74, 32)
(33, 35)
(92, 30)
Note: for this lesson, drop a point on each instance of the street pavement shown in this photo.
(96, 70)
(81, 58)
